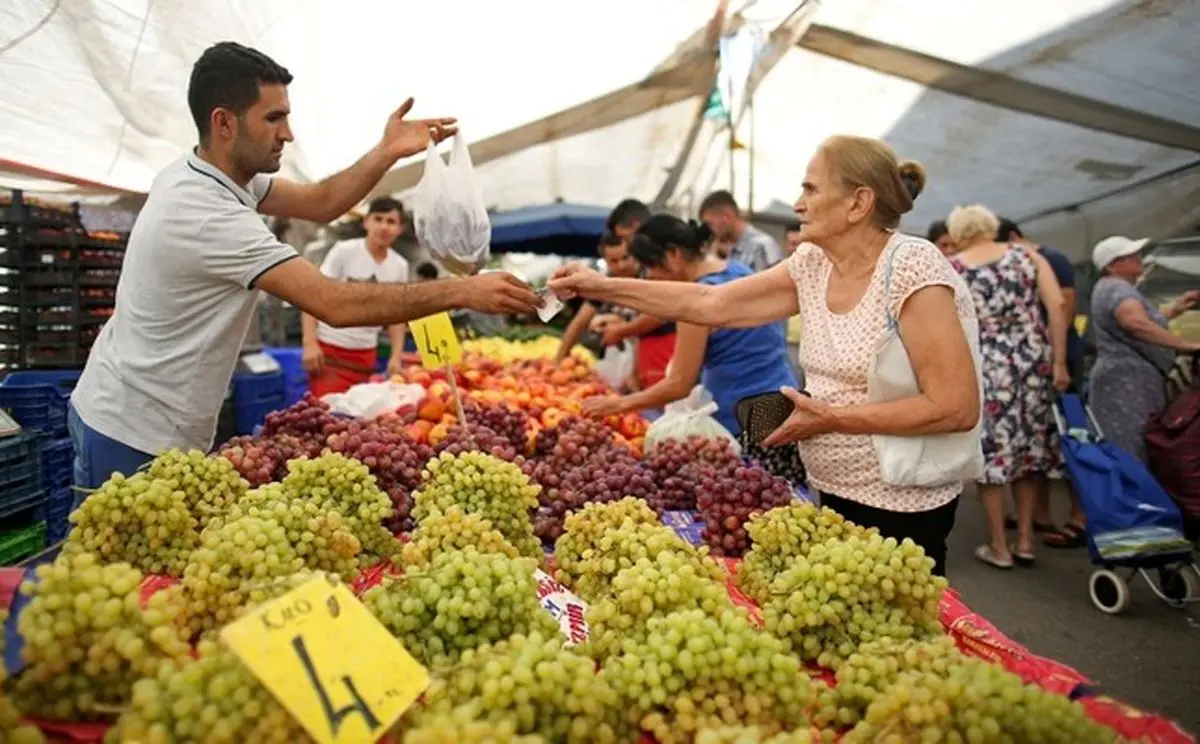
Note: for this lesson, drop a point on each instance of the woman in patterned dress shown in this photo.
(1135, 350)
(853, 195)
(1023, 365)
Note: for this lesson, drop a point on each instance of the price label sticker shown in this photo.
(329, 662)
(437, 343)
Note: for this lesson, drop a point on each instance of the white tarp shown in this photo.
(97, 92)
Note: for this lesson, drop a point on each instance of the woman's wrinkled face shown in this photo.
(826, 207)
(1128, 268)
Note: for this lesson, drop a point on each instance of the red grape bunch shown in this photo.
(678, 465)
(308, 419)
(261, 460)
(509, 423)
(579, 439)
(476, 438)
(726, 500)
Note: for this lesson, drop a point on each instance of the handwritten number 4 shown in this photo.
(334, 716)
(435, 353)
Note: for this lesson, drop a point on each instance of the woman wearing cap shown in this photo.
(1134, 349)
(853, 195)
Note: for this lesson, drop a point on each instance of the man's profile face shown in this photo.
(627, 230)
(262, 131)
(383, 227)
(721, 220)
(619, 261)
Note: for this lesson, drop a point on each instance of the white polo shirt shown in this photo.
(351, 261)
(157, 374)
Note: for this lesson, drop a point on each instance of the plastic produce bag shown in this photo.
(370, 400)
(616, 365)
(449, 212)
(690, 417)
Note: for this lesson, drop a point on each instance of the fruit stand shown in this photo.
(557, 581)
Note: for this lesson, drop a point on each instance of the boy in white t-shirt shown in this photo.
(338, 358)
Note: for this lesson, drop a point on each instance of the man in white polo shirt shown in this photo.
(340, 358)
(200, 252)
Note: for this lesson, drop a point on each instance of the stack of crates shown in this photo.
(256, 395)
(22, 498)
(37, 399)
(57, 284)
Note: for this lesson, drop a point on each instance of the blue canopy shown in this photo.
(566, 229)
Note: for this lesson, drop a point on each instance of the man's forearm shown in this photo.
(348, 187)
(361, 304)
(308, 329)
(397, 332)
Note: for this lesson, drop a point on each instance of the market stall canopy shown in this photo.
(1079, 118)
(565, 229)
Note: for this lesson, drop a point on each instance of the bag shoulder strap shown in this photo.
(893, 323)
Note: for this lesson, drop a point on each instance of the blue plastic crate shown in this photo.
(18, 449)
(38, 399)
(58, 508)
(295, 379)
(58, 462)
(255, 397)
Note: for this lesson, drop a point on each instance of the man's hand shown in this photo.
(603, 406)
(613, 334)
(394, 365)
(313, 359)
(572, 281)
(500, 293)
(1062, 377)
(402, 138)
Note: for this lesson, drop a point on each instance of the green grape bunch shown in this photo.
(590, 567)
(140, 520)
(754, 735)
(315, 530)
(453, 529)
(447, 728)
(210, 484)
(651, 587)
(346, 485)
(87, 637)
(975, 702)
(873, 668)
(461, 600)
(484, 485)
(693, 671)
(847, 592)
(783, 534)
(239, 564)
(525, 685)
(214, 699)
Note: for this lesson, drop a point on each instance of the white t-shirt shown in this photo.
(350, 261)
(157, 374)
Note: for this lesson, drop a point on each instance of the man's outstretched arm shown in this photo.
(350, 304)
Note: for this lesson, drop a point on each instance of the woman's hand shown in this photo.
(1187, 301)
(809, 418)
(1062, 377)
(572, 281)
(603, 406)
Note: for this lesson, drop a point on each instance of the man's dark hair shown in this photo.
(385, 204)
(227, 75)
(937, 229)
(1008, 230)
(717, 200)
(609, 240)
(793, 226)
(626, 213)
(426, 270)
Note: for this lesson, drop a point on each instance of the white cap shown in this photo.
(1110, 249)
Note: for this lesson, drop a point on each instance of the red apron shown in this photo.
(343, 369)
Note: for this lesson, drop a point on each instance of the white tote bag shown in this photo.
(923, 460)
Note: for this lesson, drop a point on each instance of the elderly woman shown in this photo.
(1134, 349)
(853, 195)
(1024, 361)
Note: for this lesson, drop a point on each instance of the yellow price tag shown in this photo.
(437, 343)
(329, 662)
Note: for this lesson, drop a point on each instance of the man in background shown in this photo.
(939, 235)
(1071, 534)
(426, 272)
(339, 358)
(746, 243)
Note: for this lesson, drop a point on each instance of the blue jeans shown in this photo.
(97, 457)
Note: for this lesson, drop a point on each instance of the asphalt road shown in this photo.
(1148, 657)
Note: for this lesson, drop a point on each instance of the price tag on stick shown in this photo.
(329, 662)
(437, 343)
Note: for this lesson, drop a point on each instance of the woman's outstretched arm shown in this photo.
(754, 300)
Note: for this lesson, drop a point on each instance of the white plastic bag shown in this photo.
(690, 417)
(371, 400)
(616, 365)
(450, 215)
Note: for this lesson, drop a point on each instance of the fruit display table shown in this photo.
(558, 583)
